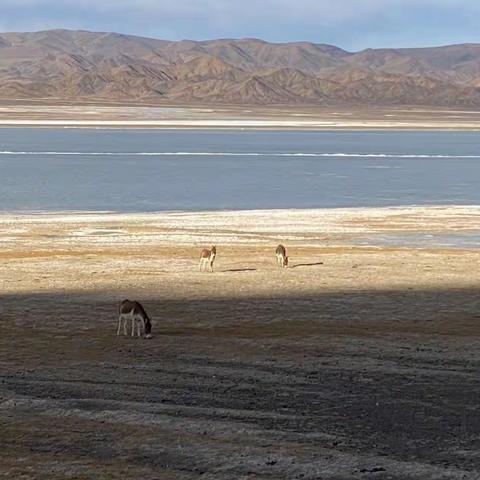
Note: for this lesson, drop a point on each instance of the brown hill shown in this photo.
(78, 65)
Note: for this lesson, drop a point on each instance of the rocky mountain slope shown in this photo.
(65, 65)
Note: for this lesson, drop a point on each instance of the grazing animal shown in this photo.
(136, 313)
(282, 258)
(207, 257)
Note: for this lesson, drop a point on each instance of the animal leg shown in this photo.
(119, 324)
(124, 326)
(133, 326)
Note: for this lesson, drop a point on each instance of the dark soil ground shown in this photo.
(361, 385)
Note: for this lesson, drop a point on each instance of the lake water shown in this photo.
(153, 170)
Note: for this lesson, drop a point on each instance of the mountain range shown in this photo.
(80, 65)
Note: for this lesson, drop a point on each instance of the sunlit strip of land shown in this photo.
(109, 251)
(36, 114)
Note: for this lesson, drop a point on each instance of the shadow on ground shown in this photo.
(240, 270)
(343, 385)
(314, 264)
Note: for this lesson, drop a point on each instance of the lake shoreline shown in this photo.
(233, 126)
(285, 117)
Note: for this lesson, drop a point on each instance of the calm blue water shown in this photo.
(153, 170)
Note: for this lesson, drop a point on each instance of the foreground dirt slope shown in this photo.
(357, 362)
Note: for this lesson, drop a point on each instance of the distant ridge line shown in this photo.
(103, 66)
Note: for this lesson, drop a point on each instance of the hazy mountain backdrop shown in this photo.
(62, 64)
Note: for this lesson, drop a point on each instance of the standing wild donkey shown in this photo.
(281, 254)
(207, 258)
(137, 314)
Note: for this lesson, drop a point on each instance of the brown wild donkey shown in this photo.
(207, 257)
(281, 254)
(136, 313)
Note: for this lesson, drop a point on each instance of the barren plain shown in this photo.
(359, 361)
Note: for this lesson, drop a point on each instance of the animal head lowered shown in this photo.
(134, 311)
(148, 328)
(281, 254)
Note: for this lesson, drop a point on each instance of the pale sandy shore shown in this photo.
(359, 361)
(16, 113)
(107, 243)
